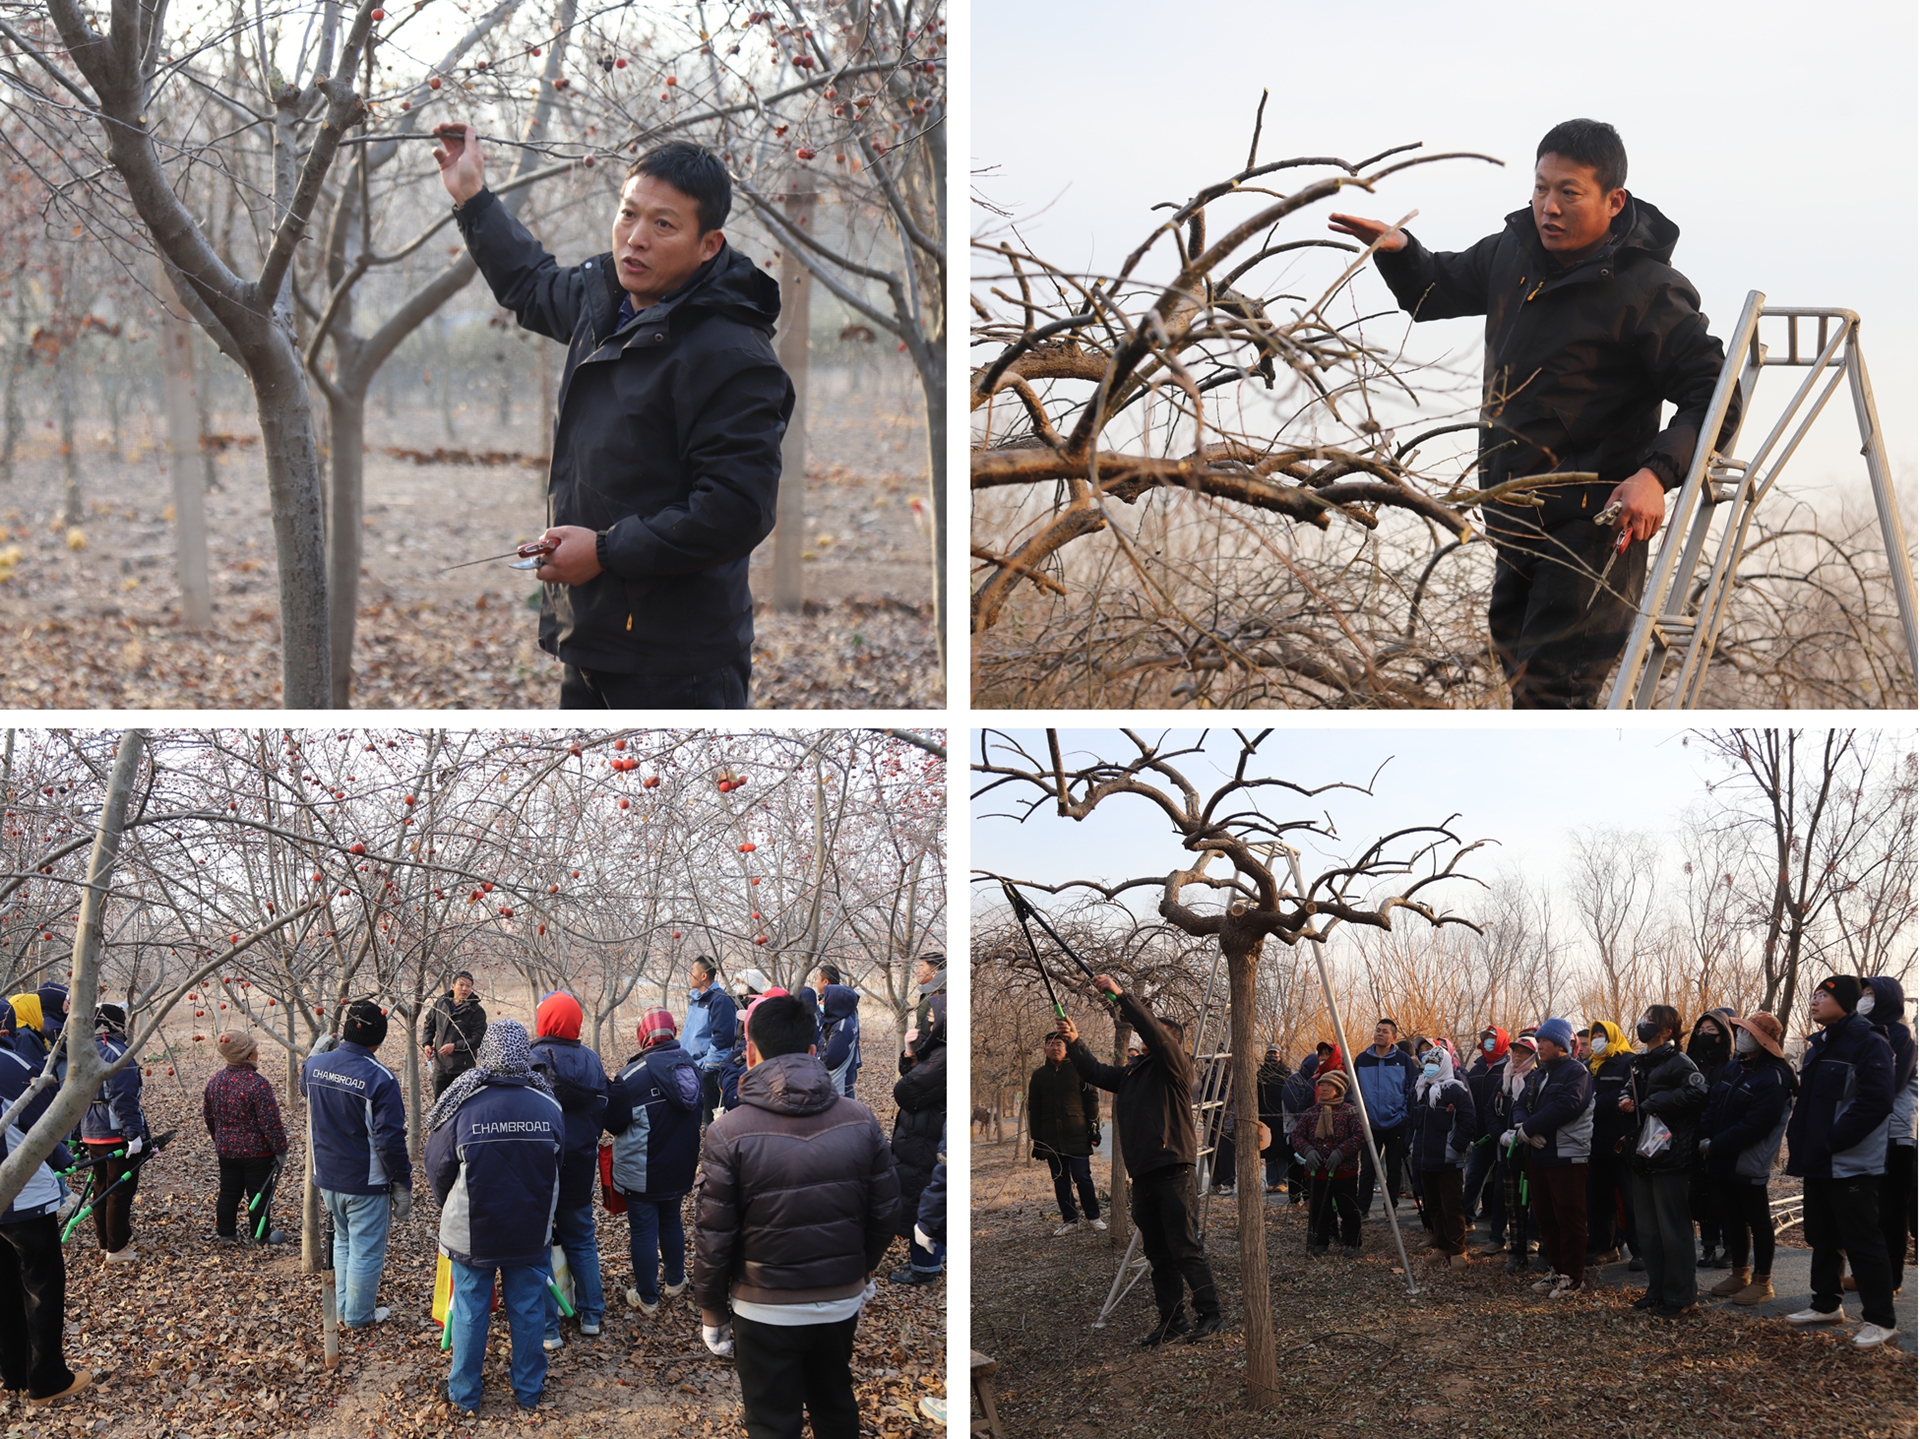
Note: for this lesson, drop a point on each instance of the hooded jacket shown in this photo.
(1557, 1104)
(666, 443)
(1386, 1083)
(1577, 358)
(1746, 1116)
(1271, 1082)
(1296, 1098)
(1710, 1053)
(25, 1036)
(1443, 1122)
(840, 1034)
(798, 1199)
(1483, 1077)
(461, 1025)
(579, 1082)
(653, 1112)
(115, 1111)
(1152, 1096)
(1667, 1085)
(1063, 1112)
(41, 1193)
(707, 1035)
(1889, 1022)
(921, 1094)
(356, 1122)
(495, 1169)
(1613, 1131)
(1844, 1115)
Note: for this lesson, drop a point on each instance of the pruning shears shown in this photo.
(1606, 517)
(151, 1148)
(529, 556)
(1023, 911)
(264, 1199)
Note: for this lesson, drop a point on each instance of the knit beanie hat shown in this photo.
(1845, 989)
(753, 981)
(237, 1046)
(1337, 1080)
(558, 1017)
(110, 1017)
(1556, 1031)
(366, 1024)
(53, 1005)
(655, 1025)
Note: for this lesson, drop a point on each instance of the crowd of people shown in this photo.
(797, 1194)
(1577, 1147)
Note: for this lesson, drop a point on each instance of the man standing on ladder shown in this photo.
(1589, 328)
(1153, 1120)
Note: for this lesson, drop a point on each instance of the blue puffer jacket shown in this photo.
(495, 1168)
(840, 1033)
(933, 1199)
(356, 1122)
(653, 1114)
(1746, 1115)
(1442, 1125)
(707, 1035)
(1558, 1104)
(1840, 1125)
(41, 1193)
(1386, 1083)
(579, 1082)
(115, 1111)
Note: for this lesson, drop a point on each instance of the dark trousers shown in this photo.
(1443, 1193)
(1843, 1218)
(113, 1215)
(1609, 1206)
(709, 1095)
(783, 1367)
(1068, 1171)
(1473, 1182)
(1517, 1194)
(1554, 648)
(1392, 1144)
(1223, 1162)
(1744, 1216)
(1325, 1198)
(724, 688)
(1665, 1230)
(1165, 1210)
(1897, 1203)
(443, 1076)
(1559, 1193)
(1703, 1203)
(242, 1178)
(33, 1304)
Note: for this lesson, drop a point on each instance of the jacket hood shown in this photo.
(27, 1008)
(1638, 226)
(1309, 1064)
(839, 1001)
(729, 284)
(936, 985)
(1502, 1041)
(789, 1084)
(1889, 1013)
(1334, 1060)
(1889, 1000)
(1616, 1044)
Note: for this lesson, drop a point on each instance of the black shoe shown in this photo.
(910, 1275)
(1636, 1265)
(1515, 1264)
(1352, 1251)
(1645, 1301)
(1674, 1311)
(1166, 1329)
(1208, 1326)
(1718, 1259)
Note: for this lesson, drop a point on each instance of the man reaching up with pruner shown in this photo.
(1153, 1120)
(1589, 327)
(666, 444)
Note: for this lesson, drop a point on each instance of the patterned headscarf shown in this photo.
(505, 1052)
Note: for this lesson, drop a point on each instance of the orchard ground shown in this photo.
(200, 1339)
(98, 627)
(1476, 1352)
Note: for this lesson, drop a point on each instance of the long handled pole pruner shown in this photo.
(1023, 911)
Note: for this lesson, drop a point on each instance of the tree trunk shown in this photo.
(72, 512)
(183, 455)
(293, 484)
(1120, 1213)
(933, 385)
(796, 293)
(18, 353)
(1256, 1288)
(346, 521)
(416, 1116)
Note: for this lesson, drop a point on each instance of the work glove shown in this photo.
(1311, 1158)
(719, 1339)
(134, 1146)
(1705, 1144)
(921, 1238)
(1506, 1140)
(402, 1199)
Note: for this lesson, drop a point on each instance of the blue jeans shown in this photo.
(656, 1233)
(523, 1295)
(573, 1232)
(360, 1224)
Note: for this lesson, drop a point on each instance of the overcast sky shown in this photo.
(1780, 138)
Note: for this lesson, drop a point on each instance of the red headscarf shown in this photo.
(1501, 1040)
(1334, 1060)
(558, 1017)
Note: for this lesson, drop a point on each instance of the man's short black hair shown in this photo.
(1389, 1024)
(780, 1025)
(702, 965)
(1589, 142)
(692, 170)
(830, 973)
(1055, 1038)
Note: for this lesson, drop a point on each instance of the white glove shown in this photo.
(134, 1146)
(719, 1338)
(1506, 1140)
(1705, 1145)
(402, 1199)
(921, 1238)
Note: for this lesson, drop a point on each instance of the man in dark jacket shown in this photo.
(1553, 1135)
(1589, 328)
(797, 1204)
(1837, 1147)
(1063, 1116)
(33, 1267)
(1883, 1003)
(839, 1026)
(1488, 1069)
(708, 1033)
(1664, 1092)
(579, 1081)
(1296, 1099)
(1740, 1133)
(454, 1027)
(1153, 1125)
(1609, 1207)
(1271, 1087)
(357, 1134)
(666, 453)
(921, 1094)
(114, 1125)
(1710, 1047)
(653, 1112)
(493, 1158)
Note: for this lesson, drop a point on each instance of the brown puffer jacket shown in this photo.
(797, 1198)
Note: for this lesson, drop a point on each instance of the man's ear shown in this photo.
(753, 1054)
(711, 242)
(813, 1049)
(1616, 202)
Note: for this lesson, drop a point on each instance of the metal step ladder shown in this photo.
(1685, 604)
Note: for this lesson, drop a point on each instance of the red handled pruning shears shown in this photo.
(529, 556)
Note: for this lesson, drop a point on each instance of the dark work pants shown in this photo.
(1165, 1210)
(1897, 1203)
(242, 1178)
(33, 1303)
(1223, 1162)
(443, 1076)
(1518, 1196)
(1070, 1170)
(1392, 1144)
(1609, 1204)
(1744, 1215)
(709, 1095)
(1553, 648)
(1328, 1198)
(724, 688)
(113, 1215)
(1559, 1194)
(1843, 1215)
(1474, 1181)
(1665, 1231)
(1441, 1192)
(783, 1367)
(1703, 1203)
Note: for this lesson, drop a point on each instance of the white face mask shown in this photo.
(1744, 1043)
(1865, 1006)
(1600, 1046)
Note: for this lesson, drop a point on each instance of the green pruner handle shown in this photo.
(566, 1309)
(446, 1327)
